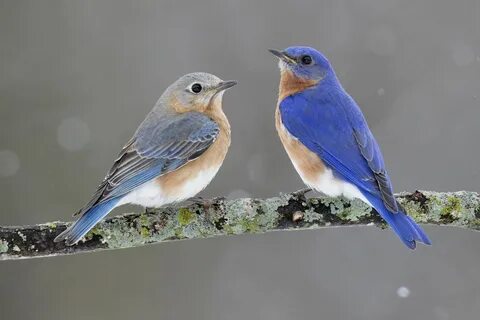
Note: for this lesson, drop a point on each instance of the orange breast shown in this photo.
(308, 165)
(174, 182)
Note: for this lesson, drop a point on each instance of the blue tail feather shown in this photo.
(86, 222)
(406, 229)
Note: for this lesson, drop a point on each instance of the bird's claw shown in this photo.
(301, 192)
(149, 210)
(206, 203)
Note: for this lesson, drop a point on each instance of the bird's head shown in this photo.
(304, 62)
(301, 68)
(197, 91)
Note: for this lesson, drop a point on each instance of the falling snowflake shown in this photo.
(403, 292)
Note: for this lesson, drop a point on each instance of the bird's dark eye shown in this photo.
(306, 60)
(196, 87)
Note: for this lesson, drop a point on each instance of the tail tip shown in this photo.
(426, 240)
(65, 237)
(412, 244)
(410, 232)
(61, 237)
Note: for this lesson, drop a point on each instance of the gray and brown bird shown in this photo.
(174, 154)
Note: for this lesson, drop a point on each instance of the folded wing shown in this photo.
(158, 147)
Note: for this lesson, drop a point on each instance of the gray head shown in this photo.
(197, 91)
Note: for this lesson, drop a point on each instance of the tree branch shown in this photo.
(286, 212)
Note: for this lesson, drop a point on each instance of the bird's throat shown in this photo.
(291, 84)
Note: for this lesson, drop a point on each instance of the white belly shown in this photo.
(331, 186)
(197, 183)
(151, 194)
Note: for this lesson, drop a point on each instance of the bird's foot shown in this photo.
(301, 192)
(206, 203)
(149, 209)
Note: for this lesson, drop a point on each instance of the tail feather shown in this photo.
(422, 236)
(86, 222)
(406, 229)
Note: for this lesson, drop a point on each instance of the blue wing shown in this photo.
(332, 125)
(159, 146)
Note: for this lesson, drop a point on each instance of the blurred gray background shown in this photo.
(77, 77)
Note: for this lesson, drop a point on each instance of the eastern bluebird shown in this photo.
(174, 154)
(329, 142)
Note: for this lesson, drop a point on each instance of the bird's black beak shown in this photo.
(283, 56)
(224, 85)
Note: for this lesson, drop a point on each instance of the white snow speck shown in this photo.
(403, 292)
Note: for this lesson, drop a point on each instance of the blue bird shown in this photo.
(174, 154)
(329, 142)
